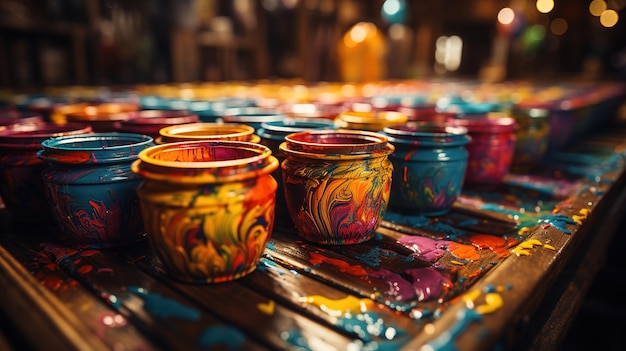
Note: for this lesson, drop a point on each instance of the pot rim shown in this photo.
(63, 149)
(232, 130)
(373, 145)
(204, 172)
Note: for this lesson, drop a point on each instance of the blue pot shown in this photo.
(429, 165)
(91, 189)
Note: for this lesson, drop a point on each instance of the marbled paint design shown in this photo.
(210, 233)
(337, 202)
(91, 189)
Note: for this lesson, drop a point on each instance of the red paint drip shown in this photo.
(494, 243)
(85, 269)
(356, 270)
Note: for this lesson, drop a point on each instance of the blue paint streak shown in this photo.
(445, 341)
(373, 257)
(230, 338)
(163, 307)
(295, 338)
(559, 221)
(407, 220)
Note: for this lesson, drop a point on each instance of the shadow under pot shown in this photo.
(337, 184)
(429, 163)
(208, 207)
(91, 189)
(21, 185)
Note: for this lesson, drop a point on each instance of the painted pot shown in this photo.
(252, 116)
(91, 189)
(20, 117)
(532, 138)
(374, 121)
(207, 131)
(491, 149)
(21, 186)
(208, 206)
(103, 116)
(150, 122)
(429, 165)
(273, 134)
(337, 184)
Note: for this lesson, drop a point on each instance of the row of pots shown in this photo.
(208, 206)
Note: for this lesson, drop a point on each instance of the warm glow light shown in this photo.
(558, 26)
(506, 16)
(596, 7)
(609, 18)
(448, 52)
(544, 6)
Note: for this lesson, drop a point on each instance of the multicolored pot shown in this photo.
(103, 116)
(252, 116)
(207, 131)
(150, 122)
(491, 149)
(208, 206)
(429, 165)
(21, 186)
(273, 134)
(91, 189)
(20, 117)
(337, 184)
(532, 138)
(373, 121)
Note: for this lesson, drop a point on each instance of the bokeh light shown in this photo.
(609, 18)
(596, 7)
(558, 26)
(506, 16)
(544, 6)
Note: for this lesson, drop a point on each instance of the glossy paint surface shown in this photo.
(21, 185)
(337, 184)
(429, 161)
(90, 188)
(208, 207)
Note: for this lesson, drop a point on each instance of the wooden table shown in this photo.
(505, 268)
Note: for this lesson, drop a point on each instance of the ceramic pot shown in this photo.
(491, 149)
(273, 134)
(91, 189)
(207, 131)
(150, 122)
(429, 165)
(208, 206)
(374, 121)
(252, 116)
(531, 138)
(21, 186)
(20, 117)
(337, 184)
(103, 116)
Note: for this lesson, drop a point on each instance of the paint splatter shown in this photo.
(164, 307)
(558, 221)
(426, 249)
(445, 341)
(316, 258)
(339, 307)
(373, 257)
(227, 337)
(266, 308)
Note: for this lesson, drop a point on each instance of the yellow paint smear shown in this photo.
(267, 308)
(493, 301)
(341, 306)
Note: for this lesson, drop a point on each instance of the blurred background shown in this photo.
(108, 42)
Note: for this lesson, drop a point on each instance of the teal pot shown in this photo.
(91, 189)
